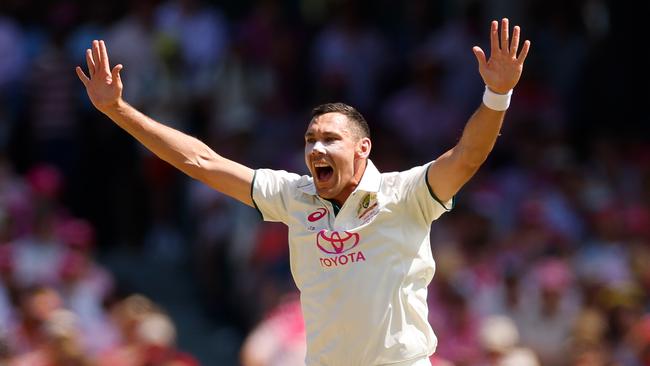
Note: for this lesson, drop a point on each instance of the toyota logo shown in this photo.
(334, 242)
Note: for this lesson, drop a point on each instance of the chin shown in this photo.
(325, 193)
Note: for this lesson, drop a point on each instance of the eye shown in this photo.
(330, 139)
(310, 140)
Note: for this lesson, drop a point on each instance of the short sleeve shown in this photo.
(271, 192)
(418, 196)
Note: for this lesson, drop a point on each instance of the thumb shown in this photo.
(116, 73)
(480, 56)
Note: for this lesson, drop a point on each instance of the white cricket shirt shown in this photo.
(362, 273)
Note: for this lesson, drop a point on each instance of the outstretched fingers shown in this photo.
(494, 38)
(101, 66)
(95, 56)
(505, 25)
(116, 73)
(98, 63)
(524, 52)
(104, 56)
(90, 62)
(504, 44)
(514, 42)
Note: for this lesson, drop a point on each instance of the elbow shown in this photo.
(472, 159)
(200, 163)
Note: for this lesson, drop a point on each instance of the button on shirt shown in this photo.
(362, 273)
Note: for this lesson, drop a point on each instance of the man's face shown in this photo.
(333, 153)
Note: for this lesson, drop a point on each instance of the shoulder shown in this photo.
(400, 179)
(284, 181)
(283, 176)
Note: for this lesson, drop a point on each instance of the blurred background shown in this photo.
(108, 256)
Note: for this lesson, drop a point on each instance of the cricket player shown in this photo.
(359, 239)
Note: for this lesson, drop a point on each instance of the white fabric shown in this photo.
(419, 362)
(363, 274)
(495, 101)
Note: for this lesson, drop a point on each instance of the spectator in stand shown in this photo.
(549, 311)
(499, 339)
(127, 315)
(156, 336)
(37, 304)
(182, 21)
(419, 112)
(7, 283)
(37, 257)
(278, 340)
(348, 58)
(641, 340)
(60, 345)
(148, 337)
(85, 285)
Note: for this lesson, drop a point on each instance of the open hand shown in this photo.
(502, 71)
(103, 85)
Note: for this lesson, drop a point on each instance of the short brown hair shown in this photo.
(359, 124)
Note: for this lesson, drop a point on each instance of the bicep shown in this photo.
(448, 173)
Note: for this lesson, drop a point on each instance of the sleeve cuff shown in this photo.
(253, 198)
(449, 205)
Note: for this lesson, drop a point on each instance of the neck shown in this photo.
(359, 168)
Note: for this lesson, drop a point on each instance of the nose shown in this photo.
(318, 148)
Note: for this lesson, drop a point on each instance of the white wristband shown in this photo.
(498, 102)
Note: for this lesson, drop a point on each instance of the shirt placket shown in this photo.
(343, 219)
(330, 212)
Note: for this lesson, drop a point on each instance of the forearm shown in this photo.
(180, 150)
(184, 152)
(188, 154)
(501, 72)
(479, 135)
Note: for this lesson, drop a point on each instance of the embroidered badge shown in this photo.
(367, 206)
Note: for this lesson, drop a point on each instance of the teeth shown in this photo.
(321, 165)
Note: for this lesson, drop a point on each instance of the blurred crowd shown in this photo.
(544, 260)
(58, 306)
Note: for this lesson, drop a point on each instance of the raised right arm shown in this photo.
(188, 154)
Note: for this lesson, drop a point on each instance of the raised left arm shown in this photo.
(501, 72)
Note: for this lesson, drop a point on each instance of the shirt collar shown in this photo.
(369, 182)
(371, 179)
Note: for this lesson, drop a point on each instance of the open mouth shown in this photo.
(323, 171)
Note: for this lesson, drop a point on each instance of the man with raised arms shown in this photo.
(359, 239)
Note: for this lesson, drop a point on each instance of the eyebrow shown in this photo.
(326, 134)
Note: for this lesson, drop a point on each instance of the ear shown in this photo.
(364, 145)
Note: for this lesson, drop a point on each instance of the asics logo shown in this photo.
(334, 242)
(317, 215)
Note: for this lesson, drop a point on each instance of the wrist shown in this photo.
(113, 107)
(115, 111)
(496, 101)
